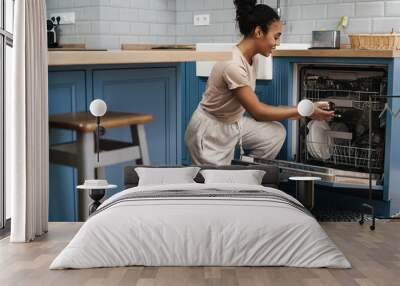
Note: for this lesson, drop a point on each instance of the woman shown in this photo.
(218, 123)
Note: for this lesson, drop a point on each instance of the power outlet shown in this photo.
(201, 20)
(65, 18)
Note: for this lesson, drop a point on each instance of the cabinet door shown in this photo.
(142, 90)
(66, 94)
(193, 89)
(268, 93)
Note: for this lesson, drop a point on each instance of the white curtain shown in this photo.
(27, 124)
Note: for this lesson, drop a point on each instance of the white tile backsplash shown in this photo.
(358, 25)
(128, 14)
(109, 23)
(302, 16)
(385, 25)
(392, 8)
(313, 11)
(342, 9)
(140, 28)
(370, 9)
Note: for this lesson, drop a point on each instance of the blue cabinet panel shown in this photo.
(392, 150)
(193, 88)
(67, 94)
(137, 88)
(142, 90)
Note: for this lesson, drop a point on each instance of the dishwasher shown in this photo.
(344, 157)
(348, 151)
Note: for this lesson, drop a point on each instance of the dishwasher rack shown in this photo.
(348, 155)
(346, 98)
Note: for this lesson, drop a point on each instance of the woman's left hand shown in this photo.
(321, 112)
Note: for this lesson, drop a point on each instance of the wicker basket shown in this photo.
(375, 41)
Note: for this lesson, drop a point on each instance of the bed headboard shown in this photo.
(270, 179)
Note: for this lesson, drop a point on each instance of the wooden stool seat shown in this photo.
(82, 153)
(86, 122)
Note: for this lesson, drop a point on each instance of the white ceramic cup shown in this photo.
(305, 107)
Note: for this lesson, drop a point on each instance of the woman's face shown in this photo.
(268, 41)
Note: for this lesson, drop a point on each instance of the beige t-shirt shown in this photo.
(218, 98)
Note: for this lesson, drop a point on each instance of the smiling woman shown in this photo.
(219, 123)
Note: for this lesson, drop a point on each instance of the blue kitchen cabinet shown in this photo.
(134, 88)
(192, 88)
(141, 90)
(67, 90)
(268, 93)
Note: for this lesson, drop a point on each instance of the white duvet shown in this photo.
(200, 231)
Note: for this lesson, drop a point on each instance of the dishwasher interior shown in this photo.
(342, 152)
(345, 143)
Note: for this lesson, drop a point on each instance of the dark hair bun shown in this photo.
(244, 7)
(250, 15)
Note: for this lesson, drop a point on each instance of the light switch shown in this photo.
(201, 20)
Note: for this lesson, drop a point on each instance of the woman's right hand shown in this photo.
(321, 112)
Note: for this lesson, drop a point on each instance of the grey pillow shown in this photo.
(248, 177)
(163, 176)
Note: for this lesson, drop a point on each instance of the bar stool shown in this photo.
(82, 153)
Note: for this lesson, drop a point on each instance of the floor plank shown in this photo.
(374, 255)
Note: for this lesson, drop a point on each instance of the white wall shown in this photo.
(300, 16)
(108, 23)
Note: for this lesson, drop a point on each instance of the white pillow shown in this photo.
(249, 177)
(163, 176)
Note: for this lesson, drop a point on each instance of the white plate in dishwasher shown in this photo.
(310, 145)
(309, 141)
(320, 141)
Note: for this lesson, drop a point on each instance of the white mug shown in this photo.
(305, 107)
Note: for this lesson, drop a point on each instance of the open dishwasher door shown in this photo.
(329, 176)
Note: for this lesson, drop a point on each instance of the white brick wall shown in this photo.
(109, 23)
(300, 16)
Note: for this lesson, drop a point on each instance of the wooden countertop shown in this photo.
(92, 57)
(341, 53)
(64, 58)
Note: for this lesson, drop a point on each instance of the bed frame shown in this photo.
(270, 179)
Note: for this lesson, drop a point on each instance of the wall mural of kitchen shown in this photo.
(201, 134)
(314, 51)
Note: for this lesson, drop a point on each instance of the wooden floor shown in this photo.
(375, 257)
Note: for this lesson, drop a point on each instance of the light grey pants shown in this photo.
(211, 141)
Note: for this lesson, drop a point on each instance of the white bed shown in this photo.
(185, 230)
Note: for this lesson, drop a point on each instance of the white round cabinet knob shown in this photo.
(305, 107)
(98, 107)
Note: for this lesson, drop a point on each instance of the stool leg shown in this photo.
(139, 138)
(86, 171)
(101, 173)
(305, 193)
